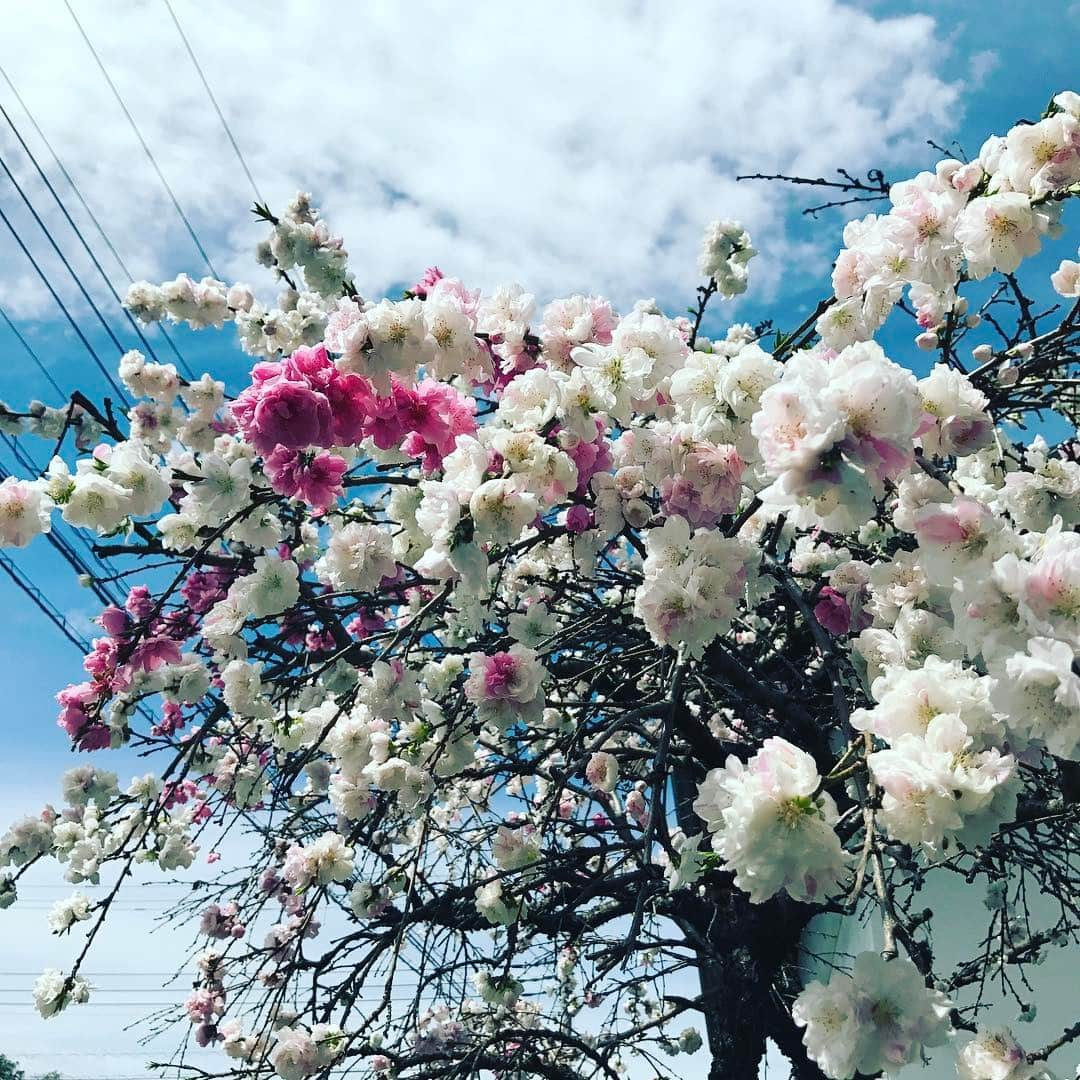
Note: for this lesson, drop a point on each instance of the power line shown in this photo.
(63, 307)
(33, 355)
(85, 205)
(47, 607)
(86, 247)
(67, 266)
(142, 142)
(67, 176)
(213, 101)
(101, 1053)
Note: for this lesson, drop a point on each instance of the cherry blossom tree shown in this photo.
(545, 670)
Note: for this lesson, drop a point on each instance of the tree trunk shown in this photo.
(741, 953)
(739, 967)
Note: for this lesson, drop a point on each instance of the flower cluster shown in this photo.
(693, 584)
(877, 1020)
(773, 825)
(981, 216)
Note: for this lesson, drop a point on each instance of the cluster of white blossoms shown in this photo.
(54, 992)
(458, 590)
(878, 1019)
(105, 492)
(694, 582)
(301, 239)
(996, 1055)
(322, 862)
(834, 431)
(773, 825)
(298, 1053)
(725, 252)
(984, 215)
(942, 775)
(198, 304)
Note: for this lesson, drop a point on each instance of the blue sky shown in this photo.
(570, 149)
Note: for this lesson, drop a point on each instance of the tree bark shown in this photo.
(741, 952)
(740, 965)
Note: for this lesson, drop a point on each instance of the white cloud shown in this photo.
(567, 146)
(982, 65)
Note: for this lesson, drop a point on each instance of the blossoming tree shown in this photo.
(546, 670)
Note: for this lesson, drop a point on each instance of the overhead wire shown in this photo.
(142, 142)
(60, 255)
(82, 239)
(63, 171)
(214, 102)
(33, 355)
(76, 191)
(63, 307)
(42, 602)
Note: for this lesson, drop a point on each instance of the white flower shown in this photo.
(958, 421)
(1041, 157)
(725, 251)
(410, 782)
(691, 864)
(65, 913)
(827, 1011)
(1047, 588)
(491, 906)
(96, 502)
(657, 337)
(693, 584)
(878, 1019)
(1066, 279)
(500, 511)
(224, 488)
(148, 380)
(271, 588)
(997, 232)
(53, 993)
(325, 860)
(909, 700)
(843, 323)
(25, 512)
(295, 1054)
(357, 558)
(242, 689)
(939, 787)
(452, 334)
(514, 848)
(533, 625)
(530, 400)
(204, 396)
(350, 795)
(25, 840)
(617, 376)
(772, 824)
(746, 376)
(602, 771)
(996, 1055)
(131, 466)
(1041, 696)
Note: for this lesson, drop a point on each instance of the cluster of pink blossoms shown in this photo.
(304, 402)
